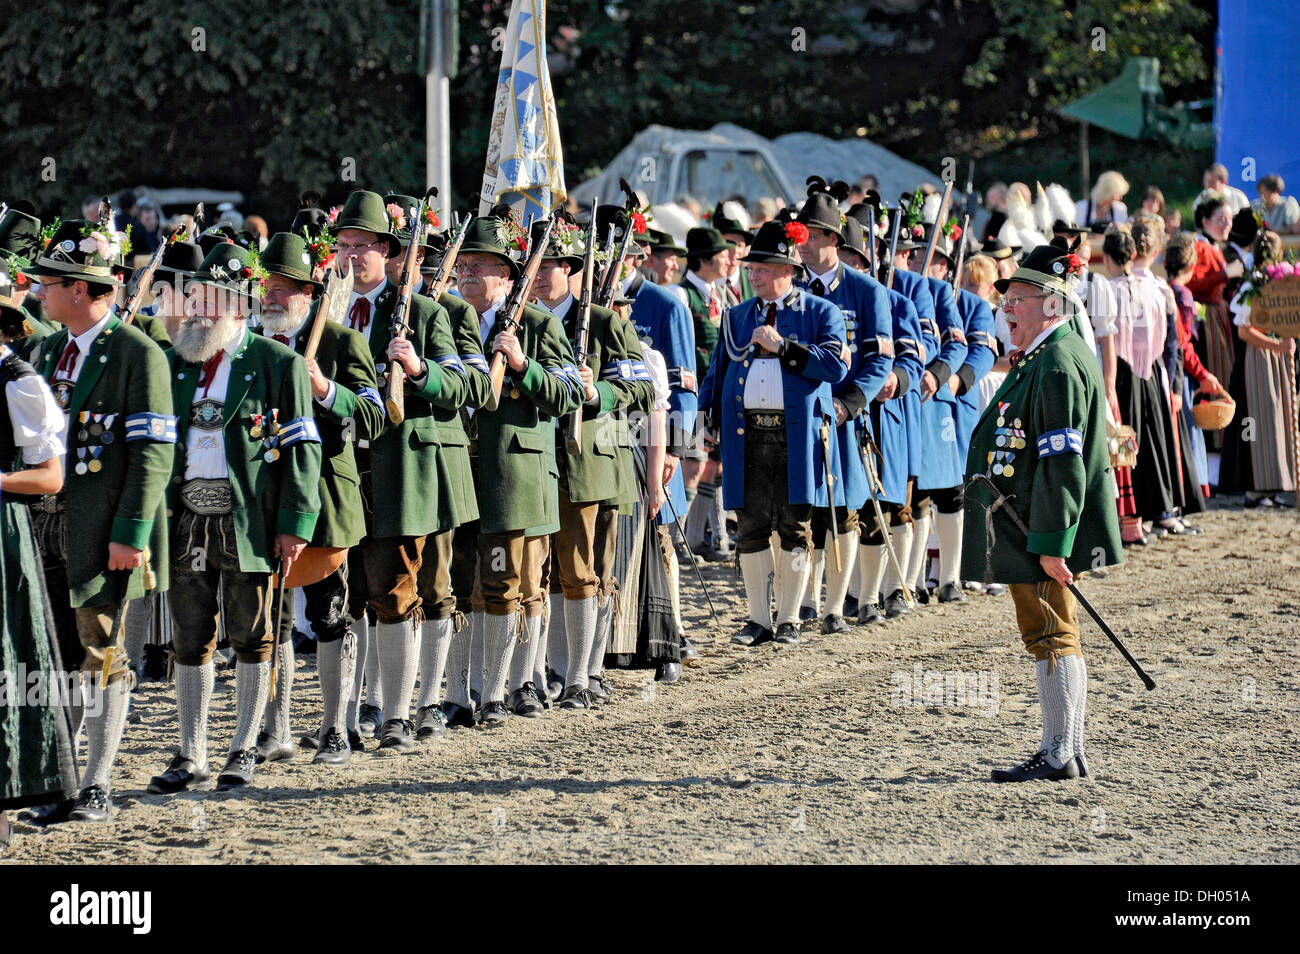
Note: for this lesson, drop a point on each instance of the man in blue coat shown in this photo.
(868, 324)
(768, 391)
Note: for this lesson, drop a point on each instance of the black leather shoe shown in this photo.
(458, 716)
(525, 703)
(788, 634)
(554, 684)
(493, 715)
(601, 689)
(430, 722)
(397, 735)
(851, 608)
(92, 805)
(575, 698)
(369, 719)
(239, 770)
(269, 750)
(1037, 767)
(181, 774)
(333, 750)
(951, 593)
(689, 650)
(1083, 765)
(807, 613)
(922, 596)
(895, 605)
(310, 741)
(753, 635)
(53, 814)
(668, 672)
(355, 742)
(868, 614)
(834, 624)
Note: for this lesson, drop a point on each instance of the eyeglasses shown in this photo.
(477, 268)
(1010, 304)
(343, 248)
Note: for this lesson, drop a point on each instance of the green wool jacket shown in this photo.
(269, 497)
(26, 346)
(1048, 424)
(706, 332)
(516, 441)
(357, 414)
(411, 492)
(153, 326)
(125, 375)
(622, 382)
(451, 422)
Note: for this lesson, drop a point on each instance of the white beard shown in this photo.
(201, 338)
(287, 322)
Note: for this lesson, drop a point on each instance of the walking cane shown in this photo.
(281, 573)
(1001, 500)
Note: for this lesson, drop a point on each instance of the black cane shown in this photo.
(1005, 503)
(279, 621)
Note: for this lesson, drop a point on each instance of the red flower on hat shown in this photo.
(1073, 264)
(918, 232)
(431, 217)
(245, 272)
(796, 232)
(334, 215)
(956, 233)
(638, 223)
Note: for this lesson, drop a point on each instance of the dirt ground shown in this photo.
(816, 753)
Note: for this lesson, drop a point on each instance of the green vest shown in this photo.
(269, 497)
(125, 375)
(1042, 439)
(706, 332)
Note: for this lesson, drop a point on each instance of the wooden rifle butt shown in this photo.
(396, 400)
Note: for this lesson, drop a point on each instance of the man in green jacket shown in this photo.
(347, 408)
(517, 491)
(244, 500)
(20, 244)
(1042, 442)
(111, 382)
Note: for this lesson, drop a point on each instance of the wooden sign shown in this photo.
(1277, 308)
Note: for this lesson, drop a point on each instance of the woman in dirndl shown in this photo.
(1260, 464)
(37, 766)
(1209, 285)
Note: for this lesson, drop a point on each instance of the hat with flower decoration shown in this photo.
(729, 218)
(289, 255)
(367, 211)
(20, 238)
(399, 209)
(500, 233)
(233, 268)
(81, 249)
(1053, 267)
(566, 244)
(775, 244)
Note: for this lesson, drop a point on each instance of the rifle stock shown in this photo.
(584, 327)
(938, 226)
(395, 401)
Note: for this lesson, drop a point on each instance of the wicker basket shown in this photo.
(1214, 414)
(1121, 441)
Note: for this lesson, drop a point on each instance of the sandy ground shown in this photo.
(811, 753)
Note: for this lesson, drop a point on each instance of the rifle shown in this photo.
(396, 399)
(830, 487)
(893, 243)
(441, 277)
(965, 224)
(513, 309)
(584, 326)
(135, 297)
(333, 305)
(938, 226)
(609, 280)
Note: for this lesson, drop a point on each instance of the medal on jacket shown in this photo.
(272, 453)
(96, 425)
(255, 432)
(106, 433)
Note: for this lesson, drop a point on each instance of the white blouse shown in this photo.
(35, 417)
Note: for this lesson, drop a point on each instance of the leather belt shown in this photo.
(48, 503)
(767, 420)
(207, 498)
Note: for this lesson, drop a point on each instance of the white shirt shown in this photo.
(708, 291)
(826, 278)
(489, 318)
(371, 296)
(654, 361)
(83, 342)
(37, 421)
(205, 450)
(764, 390)
(561, 307)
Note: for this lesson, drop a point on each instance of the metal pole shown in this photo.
(437, 104)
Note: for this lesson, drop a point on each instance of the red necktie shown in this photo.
(359, 316)
(1016, 356)
(735, 292)
(715, 310)
(771, 313)
(209, 372)
(68, 360)
(284, 339)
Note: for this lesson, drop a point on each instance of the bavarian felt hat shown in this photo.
(499, 234)
(1244, 228)
(403, 204)
(708, 241)
(1051, 267)
(20, 237)
(1067, 228)
(661, 241)
(771, 246)
(996, 248)
(821, 210)
(309, 218)
(619, 217)
(79, 250)
(231, 267)
(13, 321)
(726, 219)
(216, 236)
(853, 240)
(181, 258)
(366, 211)
(288, 255)
(567, 244)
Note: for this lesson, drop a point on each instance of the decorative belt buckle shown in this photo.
(207, 498)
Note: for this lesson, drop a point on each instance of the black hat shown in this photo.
(499, 233)
(996, 248)
(20, 237)
(1244, 228)
(853, 240)
(730, 224)
(1068, 228)
(310, 218)
(1052, 267)
(288, 254)
(703, 242)
(402, 227)
(75, 252)
(232, 267)
(864, 213)
(216, 236)
(821, 210)
(365, 210)
(181, 258)
(661, 241)
(618, 216)
(771, 246)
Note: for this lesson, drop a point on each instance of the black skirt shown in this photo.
(1145, 408)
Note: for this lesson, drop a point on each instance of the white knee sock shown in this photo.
(580, 627)
(540, 650)
(458, 661)
(500, 634)
(374, 684)
(193, 695)
(918, 561)
(104, 733)
(721, 539)
(948, 526)
(756, 568)
(364, 650)
(697, 517)
(1056, 711)
(252, 684)
(524, 660)
(793, 576)
(1077, 711)
(901, 538)
(837, 581)
(476, 661)
(557, 640)
(435, 644)
(336, 664)
(399, 653)
(277, 709)
(604, 631)
(871, 564)
(812, 593)
(138, 623)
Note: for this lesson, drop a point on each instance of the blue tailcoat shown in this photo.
(917, 290)
(981, 351)
(889, 419)
(665, 324)
(942, 464)
(814, 330)
(868, 325)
